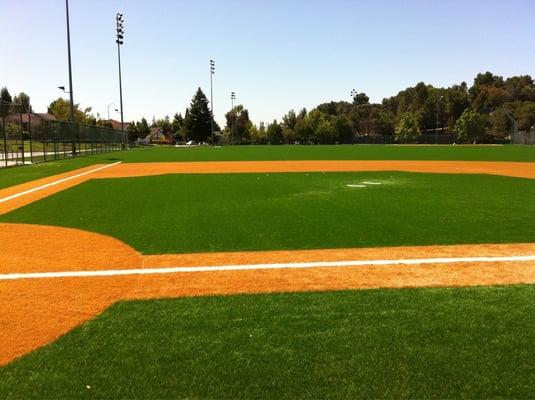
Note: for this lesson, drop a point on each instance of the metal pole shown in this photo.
(212, 102)
(71, 96)
(436, 128)
(22, 137)
(72, 119)
(30, 134)
(5, 139)
(120, 91)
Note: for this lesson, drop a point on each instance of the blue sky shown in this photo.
(276, 55)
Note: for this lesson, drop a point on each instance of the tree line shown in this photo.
(490, 109)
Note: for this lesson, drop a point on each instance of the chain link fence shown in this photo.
(27, 138)
(523, 137)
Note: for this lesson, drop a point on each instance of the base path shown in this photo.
(513, 169)
(20, 195)
(36, 311)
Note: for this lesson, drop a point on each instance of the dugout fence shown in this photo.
(27, 138)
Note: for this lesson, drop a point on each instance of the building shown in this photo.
(157, 136)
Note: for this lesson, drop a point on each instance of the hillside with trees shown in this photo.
(487, 111)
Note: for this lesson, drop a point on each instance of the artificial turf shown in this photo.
(334, 152)
(17, 175)
(13, 176)
(237, 212)
(403, 343)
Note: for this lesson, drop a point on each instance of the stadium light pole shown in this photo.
(436, 128)
(120, 40)
(71, 97)
(353, 94)
(232, 98)
(212, 72)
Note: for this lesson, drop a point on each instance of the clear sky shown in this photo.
(276, 54)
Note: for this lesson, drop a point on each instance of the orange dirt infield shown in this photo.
(513, 169)
(34, 312)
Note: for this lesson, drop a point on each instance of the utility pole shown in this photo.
(212, 71)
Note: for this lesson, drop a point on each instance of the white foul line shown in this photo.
(35, 189)
(245, 267)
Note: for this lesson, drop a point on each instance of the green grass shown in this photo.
(236, 212)
(335, 152)
(17, 175)
(424, 343)
(340, 152)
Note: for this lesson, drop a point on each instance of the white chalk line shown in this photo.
(248, 267)
(35, 189)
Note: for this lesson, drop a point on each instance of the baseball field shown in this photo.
(270, 272)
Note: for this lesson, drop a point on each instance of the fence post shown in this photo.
(5, 139)
(30, 134)
(22, 138)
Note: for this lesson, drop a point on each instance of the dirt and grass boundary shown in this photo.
(36, 311)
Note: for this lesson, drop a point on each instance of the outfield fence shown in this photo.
(523, 137)
(27, 138)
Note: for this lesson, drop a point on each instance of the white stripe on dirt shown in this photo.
(248, 267)
(35, 189)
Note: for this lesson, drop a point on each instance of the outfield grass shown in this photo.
(335, 152)
(13, 176)
(236, 212)
(412, 343)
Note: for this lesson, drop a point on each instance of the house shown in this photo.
(35, 119)
(117, 124)
(157, 136)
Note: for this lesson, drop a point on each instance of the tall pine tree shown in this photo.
(197, 124)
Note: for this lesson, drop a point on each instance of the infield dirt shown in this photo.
(512, 169)
(34, 312)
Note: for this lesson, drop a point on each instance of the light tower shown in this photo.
(212, 72)
(120, 40)
(232, 98)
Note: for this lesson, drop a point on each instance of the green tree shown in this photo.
(5, 101)
(274, 133)
(325, 132)
(343, 129)
(132, 132)
(258, 135)
(238, 125)
(360, 99)
(197, 122)
(24, 100)
(408, 128)
(470, 126)
(60, 108)
(143, 128)
(289, 120)
(176, 125)
(303, 130)
(4, 95)
(104, 123)
(289, 135)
